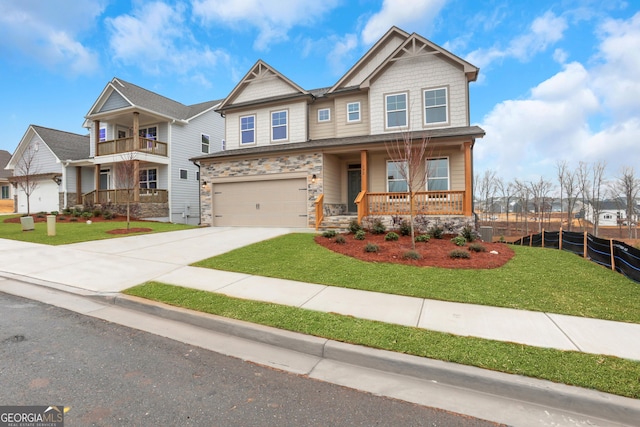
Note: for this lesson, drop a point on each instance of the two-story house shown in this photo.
(294, 157)
(6, 192)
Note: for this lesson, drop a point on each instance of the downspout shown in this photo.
(196, 162)
(65, 200)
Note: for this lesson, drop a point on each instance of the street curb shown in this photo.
(563, 397)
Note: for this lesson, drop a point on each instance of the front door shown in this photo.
(354, 181)
(105, 179)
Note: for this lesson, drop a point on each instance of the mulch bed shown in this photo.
(435, 252)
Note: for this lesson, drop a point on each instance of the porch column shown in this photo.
(78, 184)
(136, 131)
(468, 181)
(364, 170)
(96, 133)
(97, 184)
(136, 177)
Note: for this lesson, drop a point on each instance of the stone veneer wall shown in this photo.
(307, 163)
(423, 223)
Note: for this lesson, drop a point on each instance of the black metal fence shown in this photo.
(613, 254)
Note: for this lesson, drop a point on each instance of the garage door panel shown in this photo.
(271, 203)
(44, 198)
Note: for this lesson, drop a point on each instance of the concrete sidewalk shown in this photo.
(102, 269)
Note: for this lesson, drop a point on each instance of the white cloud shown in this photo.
(543, 32)
(50, 33)
(273, 21)
(405, 14)
(165, 47)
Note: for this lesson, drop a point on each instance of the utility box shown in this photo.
(51, 225)
(486, 234)
(27, 223)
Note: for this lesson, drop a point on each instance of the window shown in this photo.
(224, 145)
(278, 125)
(149, 133)
(438, 174)
(5, 192)
(184, 174)
(148, 178)
(353, 112)
(324, 115)
(205, 143)
(396, 108)
(247, 130)
(197, 175)
(396, 182)
(102, 135)
(435, 106)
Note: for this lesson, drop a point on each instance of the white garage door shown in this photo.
(274, 203)
(44, 198)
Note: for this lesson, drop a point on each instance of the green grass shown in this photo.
(535, 279)
(75, 232)
(604, 373)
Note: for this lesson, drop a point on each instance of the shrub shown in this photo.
(97, 212)
(360, 235)
(459, 241)
(55, 213)
(340, 239)
(378, 227)
(76, 213)
(329, 234)
(469, 233)
(62, 218)
(477, 247)
(354, 226)
(66, 211)
(405, 228)
(459, 254)
(391, 237)
(107, 215)
(87, 215)
(73, 219)
(436, 232)
(423, 238)
(411, 255)
(371, 247)
(40, 215)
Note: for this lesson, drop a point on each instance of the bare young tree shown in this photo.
(410, 157)
(523, 193)
(127, 180)
(507, 193)
(540, 193)
(584, 186)
(26, 171)
(570, 184)
(561, 169)
(597, 193)
(486, 188)
(627, 187)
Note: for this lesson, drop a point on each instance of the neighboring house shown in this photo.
(296, 157)
(6, 189)
(611, 213)
(41, 167)
(129, 124)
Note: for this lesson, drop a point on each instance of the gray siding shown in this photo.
(44, 161)
(113, 102)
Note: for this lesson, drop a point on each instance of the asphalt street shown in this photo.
(110, 375)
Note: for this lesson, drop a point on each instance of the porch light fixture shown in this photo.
(313, 178)
(204, 184)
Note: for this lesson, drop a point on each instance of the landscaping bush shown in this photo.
(87, 215)
(411, 255)
(371, 247)
(340, 239)
(54, 213)
(378, 227)
(405, 228)
(354, 226)
(62, 218)
(422, 238)
(459, 241)
(73, 219)
(76, 213)
(436, 232)
(329, 234)
(360, 234)
(391, 237)
(40, 215)
(97, 212)
(469, 233)
(477, 247)
(460, 254)
(107, 215)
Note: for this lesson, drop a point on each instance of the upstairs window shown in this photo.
(149, 178)
(438, 174)
(353, 112)
(279, 126)
(324, 115)
(103, 134)
(396, 110)
(247, 130)
(205, 143)
(435, 106)
(184, 174)
(149, 133)
(396, 181)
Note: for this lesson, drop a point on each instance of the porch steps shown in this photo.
(339, 223)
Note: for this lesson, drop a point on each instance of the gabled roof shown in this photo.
(5, 156)
(64, 145)
(137, 97)
(260, 70)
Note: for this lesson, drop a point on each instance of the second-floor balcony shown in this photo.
(131, 144)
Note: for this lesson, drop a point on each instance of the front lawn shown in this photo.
(75, 232)
(535, 279)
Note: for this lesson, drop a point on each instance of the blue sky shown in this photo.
(558, 80)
